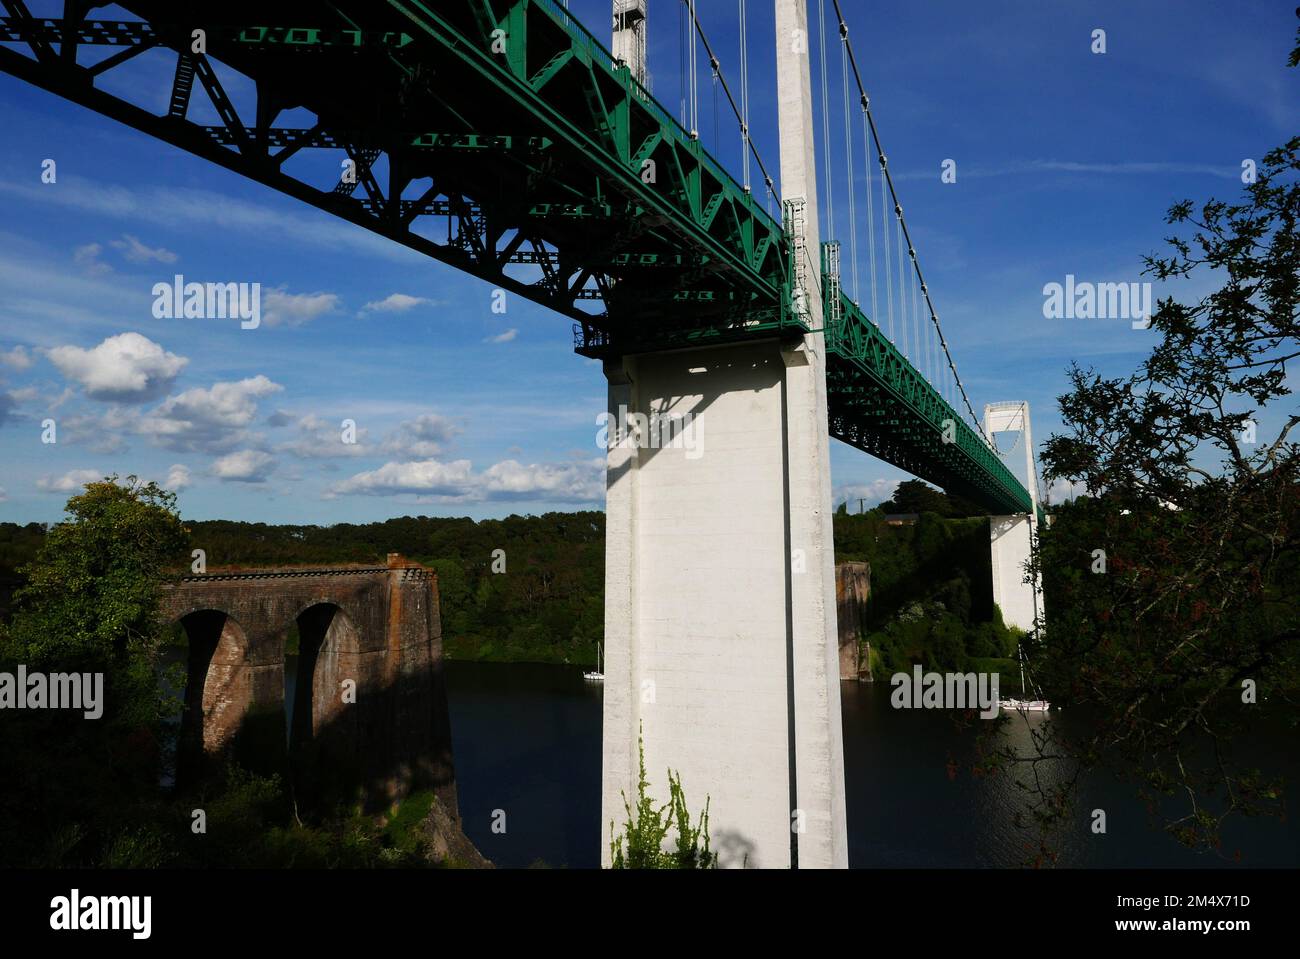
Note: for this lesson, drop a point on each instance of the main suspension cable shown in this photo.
(871, 217)
(848, 166)
(925, 291)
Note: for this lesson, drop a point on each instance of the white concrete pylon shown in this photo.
(629, 44)
(1012, 538)
(818, 747)
(721, 646)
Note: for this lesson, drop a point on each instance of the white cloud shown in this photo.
(102, 433)
(211, 420)
(57, 402)
(576, 482)
(135, 251)
(394, 303)
(873, 493)
(178, 477)
(87, 257)
(3, 495)
(426, 477)
(1062, 490)
(294, 309)
(18, 358)
(244, 466)
(505, 337)
(319, 438)
(124, 368)
(69, 481)
(420, 438)
(579, 482)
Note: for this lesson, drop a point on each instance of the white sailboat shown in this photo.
(1039, 705)
(598, 674)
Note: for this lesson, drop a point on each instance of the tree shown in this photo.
(89, 606)
(91, 599)
(1173, 588)
(915, 496)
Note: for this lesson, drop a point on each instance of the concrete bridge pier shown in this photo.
(720, 633)
(1011, 538)
(721, 649)
(1010, 541)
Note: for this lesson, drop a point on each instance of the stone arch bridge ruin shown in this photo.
(368, 697)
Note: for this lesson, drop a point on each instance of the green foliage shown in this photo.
(1177, 578)
(917, 496)
(90, 606)
(18, 546)
(92, 589)
(548, 607)
(251, 823)
(937, 639)
(930, 599)
(641, 846)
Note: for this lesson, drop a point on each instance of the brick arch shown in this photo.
(217, 690)
(329, 650)
(174, 613)
(290, 612)
(386, 636)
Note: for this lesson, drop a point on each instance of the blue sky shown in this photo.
(1066, 162)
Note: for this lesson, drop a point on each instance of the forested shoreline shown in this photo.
(531, 588)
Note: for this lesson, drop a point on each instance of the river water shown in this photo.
(527, 741)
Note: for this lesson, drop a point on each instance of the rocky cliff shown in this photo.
(852, 588)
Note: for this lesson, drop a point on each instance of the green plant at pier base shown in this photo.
(645, 831)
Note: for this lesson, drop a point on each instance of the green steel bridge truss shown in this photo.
(501, 137)
(881, 404)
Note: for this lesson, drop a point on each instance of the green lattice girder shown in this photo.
(534, 155)
(879, 403)
(726, 252)
(505, 118)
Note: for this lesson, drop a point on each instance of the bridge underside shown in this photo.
(497, 137)
(882, 405)
(500, 137)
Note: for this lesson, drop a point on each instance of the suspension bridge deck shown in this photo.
(501, 137)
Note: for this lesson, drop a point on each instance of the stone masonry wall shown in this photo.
(378, 627)
(852, 589)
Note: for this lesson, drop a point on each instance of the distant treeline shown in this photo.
(930, 597)
(931, 592)
(18, 546)
(544, 602)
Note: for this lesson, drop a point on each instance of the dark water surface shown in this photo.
(527, 741)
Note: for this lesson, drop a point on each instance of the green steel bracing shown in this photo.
(495, 135)
(501, 137)
(881, 404)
